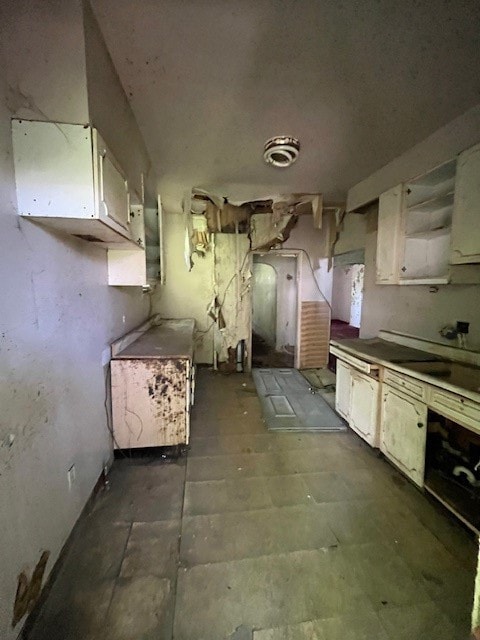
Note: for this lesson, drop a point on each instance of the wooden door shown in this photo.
(364, 407)
(466, 208)
(343, 390)
(404, 432)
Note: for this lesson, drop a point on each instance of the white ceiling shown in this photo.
(357, 81)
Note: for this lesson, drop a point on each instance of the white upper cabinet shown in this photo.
(389, 221)
(466, 217)
(431, 223)
(67, 178)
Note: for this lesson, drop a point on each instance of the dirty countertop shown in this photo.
(167, 339)
(460, 378)
(374, 349)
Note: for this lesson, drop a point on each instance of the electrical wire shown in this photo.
(313, 273)
(230, 282)
(108, 411)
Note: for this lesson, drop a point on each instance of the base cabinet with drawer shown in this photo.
(364, 395)
(356, 400)
(403, 434)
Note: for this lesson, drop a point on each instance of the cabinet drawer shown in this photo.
(409, 385)
(464, 411)
(361, 365)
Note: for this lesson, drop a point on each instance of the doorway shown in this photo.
(347, 299)
(274, 309)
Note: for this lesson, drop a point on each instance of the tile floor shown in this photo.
(261, 536)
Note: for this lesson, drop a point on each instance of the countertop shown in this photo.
(462, 379)
(167, 339)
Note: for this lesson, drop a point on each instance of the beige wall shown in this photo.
(58, 314)
(186, 294)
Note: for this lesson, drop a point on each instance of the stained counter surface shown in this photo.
(168, 339)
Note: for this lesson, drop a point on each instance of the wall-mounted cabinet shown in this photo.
(426, 226)
(67, 178)
(144, 268)
(466, 230)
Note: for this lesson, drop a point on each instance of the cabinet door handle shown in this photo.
(419, 425)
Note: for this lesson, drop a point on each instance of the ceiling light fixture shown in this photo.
(281, 151)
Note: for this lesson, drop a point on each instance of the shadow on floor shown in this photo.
(264, 355)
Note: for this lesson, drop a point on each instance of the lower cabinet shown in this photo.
(151, 402)
(403, 433)
(343, 389)
(364, 395)
(356, 400)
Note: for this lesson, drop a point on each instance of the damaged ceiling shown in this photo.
(207, 213)
(357, 82)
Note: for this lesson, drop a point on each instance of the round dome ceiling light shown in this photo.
(281, 151)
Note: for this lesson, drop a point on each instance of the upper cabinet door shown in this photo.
(466, 214)
(388, 239)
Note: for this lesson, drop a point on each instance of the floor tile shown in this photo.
(239, 535)
(418, 622)
(263, 592)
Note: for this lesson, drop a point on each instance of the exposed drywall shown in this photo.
(412, 308)
(232, 288)
(186, 294)
(264, 302)
(58, 315)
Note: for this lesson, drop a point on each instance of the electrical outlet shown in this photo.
(123, 319)
(71, 475)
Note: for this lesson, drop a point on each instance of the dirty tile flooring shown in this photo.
(261, 536)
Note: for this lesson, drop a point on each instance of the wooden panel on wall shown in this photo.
(314, 334)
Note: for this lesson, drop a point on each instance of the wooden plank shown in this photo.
(314, 334)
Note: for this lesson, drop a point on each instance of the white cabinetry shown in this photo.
(466, 220)
(67, 178)
(130, 267)
(428, 225)
(390, 208)
(343, 389)
(404, 432)
(356, 400)
(364, 407)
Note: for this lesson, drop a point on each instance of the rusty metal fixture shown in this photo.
(281, 151)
